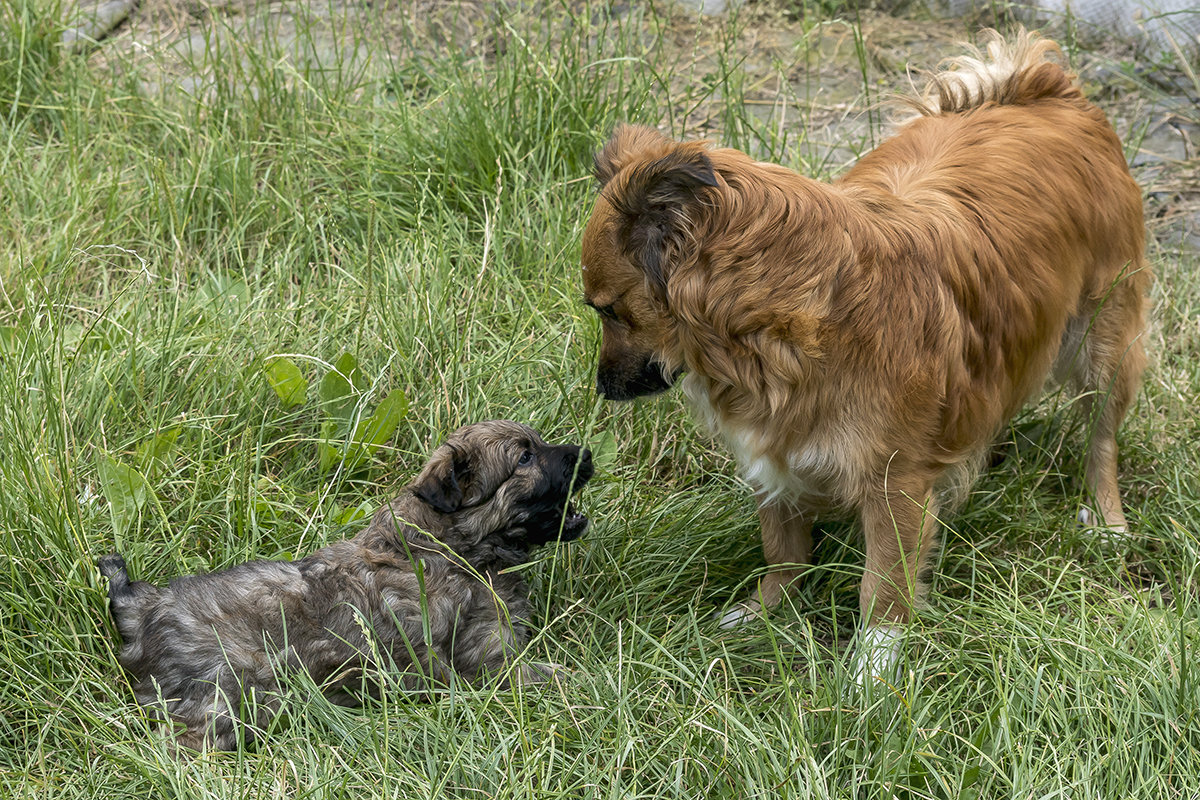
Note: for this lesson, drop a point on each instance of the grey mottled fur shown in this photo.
(489, 494)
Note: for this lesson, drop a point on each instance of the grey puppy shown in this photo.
(426, 578)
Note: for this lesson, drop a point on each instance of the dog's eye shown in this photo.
(525, 458)
(608, 312)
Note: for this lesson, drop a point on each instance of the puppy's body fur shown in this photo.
(423, 588)
(860, 344)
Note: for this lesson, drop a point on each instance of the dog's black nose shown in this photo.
(584, 473)
(577, 463)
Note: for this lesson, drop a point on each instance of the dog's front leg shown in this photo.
(787, 542)
(900, 529)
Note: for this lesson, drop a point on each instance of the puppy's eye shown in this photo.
(525, 458)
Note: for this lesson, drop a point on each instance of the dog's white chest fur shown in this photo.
(807, 469)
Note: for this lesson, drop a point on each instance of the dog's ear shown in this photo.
(441, 485)
(658, 201)
(627, 144)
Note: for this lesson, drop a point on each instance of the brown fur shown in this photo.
(860, 343)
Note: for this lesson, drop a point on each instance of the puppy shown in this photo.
(423, 587)
(858, 345)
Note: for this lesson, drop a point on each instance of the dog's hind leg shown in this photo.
(206, 714)
(787, 542)
(1108, 370)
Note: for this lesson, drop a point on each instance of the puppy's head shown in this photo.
(500, 480)
(652, 191)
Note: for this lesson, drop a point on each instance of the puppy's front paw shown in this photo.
(537, 673)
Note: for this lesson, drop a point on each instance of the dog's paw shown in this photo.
(737, 616)
(1109, 534)
(876, 656)
(543, 672)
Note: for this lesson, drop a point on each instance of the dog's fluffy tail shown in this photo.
(125, 597)
(1017, 71)
(112, 566)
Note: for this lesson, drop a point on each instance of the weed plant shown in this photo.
(211, 283)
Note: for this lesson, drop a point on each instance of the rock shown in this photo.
(94, 21)
(1158, 25)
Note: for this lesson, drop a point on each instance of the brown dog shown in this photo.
(859, 345)
(426, 587)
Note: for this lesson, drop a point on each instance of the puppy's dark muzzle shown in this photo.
(577, 466)
(576, 470)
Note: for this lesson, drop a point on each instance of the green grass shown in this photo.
(418, 203)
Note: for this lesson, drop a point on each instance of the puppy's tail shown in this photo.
(1018, 71)
(112, 566)
(126, 598)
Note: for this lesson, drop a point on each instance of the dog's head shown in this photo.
(652, 190)
(499, 480)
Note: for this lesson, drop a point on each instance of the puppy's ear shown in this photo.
(441, 485)
(659, 201)
(628, 144)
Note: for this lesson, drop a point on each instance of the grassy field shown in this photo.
(179, 272)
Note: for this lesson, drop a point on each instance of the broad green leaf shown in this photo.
(604, 450)
(355, 513)
(287, 381)
(347, 364)
(224, 293)
(376, 429)
(336, 383)
(125, 490)
(338, 386)
(380, 426)
(328, 453)
(152, 453)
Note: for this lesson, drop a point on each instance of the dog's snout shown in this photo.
(606, 387)
(637, 377)
(581, 456)
(584, 472)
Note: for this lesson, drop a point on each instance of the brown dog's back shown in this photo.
(1025, 238)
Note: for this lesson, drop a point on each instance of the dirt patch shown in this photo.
(818, 90)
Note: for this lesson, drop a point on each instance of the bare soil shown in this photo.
(798, 77)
